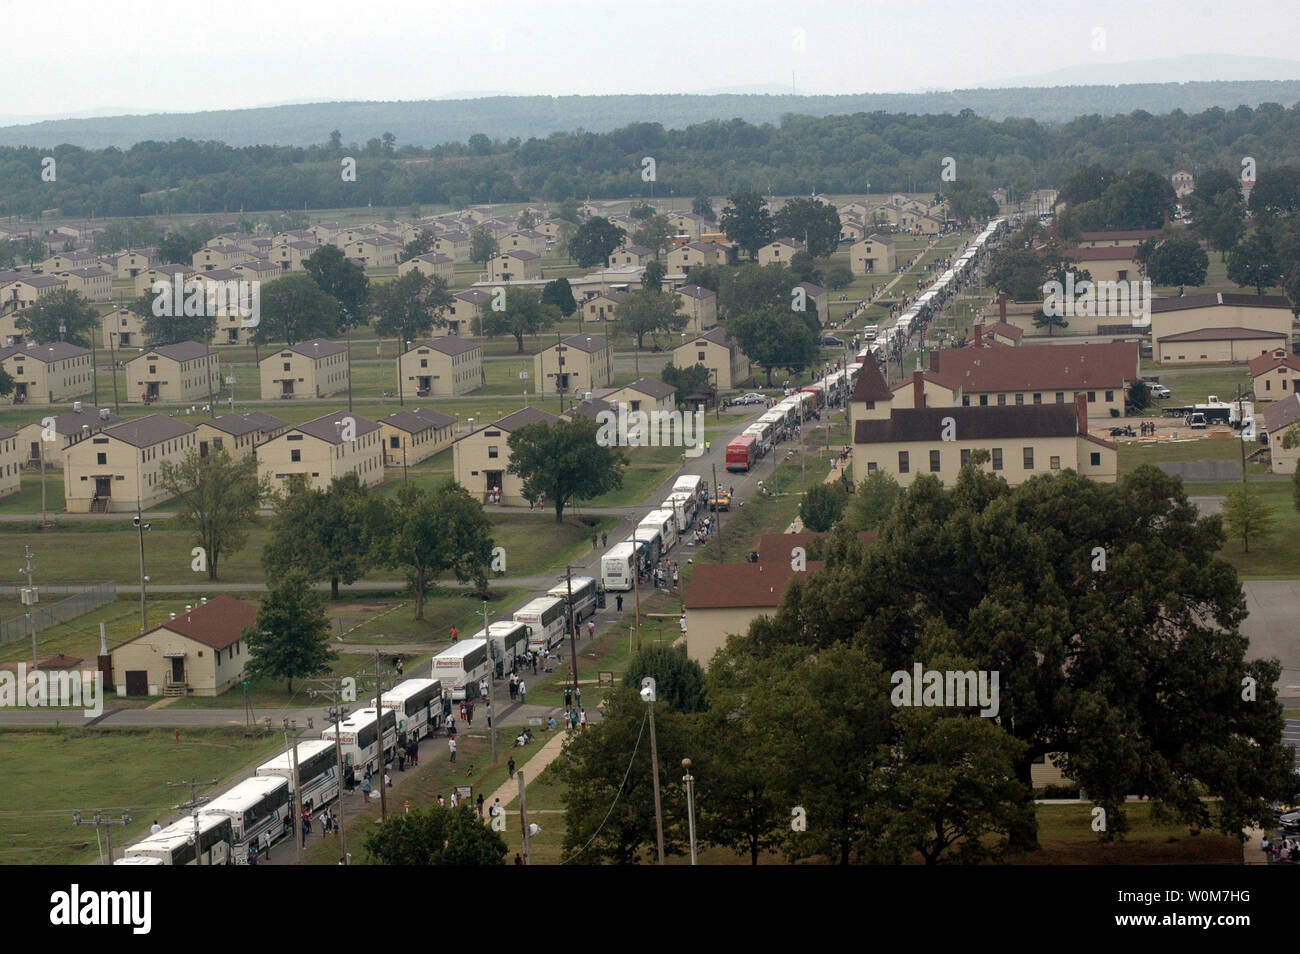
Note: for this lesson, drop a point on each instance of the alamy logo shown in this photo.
(651, 429)
(77, 907)
(52, 689)
(1121, 299)
(954, 688)
(210, 299)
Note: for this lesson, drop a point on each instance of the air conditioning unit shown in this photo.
(76, 407)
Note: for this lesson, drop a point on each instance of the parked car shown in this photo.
(720, 501)
(1158, 391)
(830, 342)
(1196, 420)
(1125, 431)
(753, 397)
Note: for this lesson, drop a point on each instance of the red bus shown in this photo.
(819, 395)
(741, 452)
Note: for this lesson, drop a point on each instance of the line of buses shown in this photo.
(780, 421)
(934, 297)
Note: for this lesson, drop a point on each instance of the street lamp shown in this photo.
(689, 779)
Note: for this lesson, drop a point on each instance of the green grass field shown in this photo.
(1133, 454)
(50, 773)
(1275, 556)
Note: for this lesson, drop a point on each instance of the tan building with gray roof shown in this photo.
(323, 449)
(308, 369)
(120, 468)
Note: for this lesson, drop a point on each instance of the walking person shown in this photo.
(479, 803)
(568, 697)
(582, 718)
(603, 538)
(591, 630)
(451, 744)
(510, 766)
(523, 690)
(618, 601)
(455, 634)
(514, 687)
(266, 845)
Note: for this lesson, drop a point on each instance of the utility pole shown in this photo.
(105, 822)
(333, 688)
(636, 585)
(29, 599)
(299, 836)
(209, 355)
(112, 354)
(140, 529)
(1243, 440)
(717, 513)
(523, 816)
(193, 805)
(573, 628)
(654, 770)
(492, 723)
(383, 756)
(45, 520)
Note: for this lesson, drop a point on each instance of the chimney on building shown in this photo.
(1002, 307)
(1081, 407)
(918, 390)
(978, 331)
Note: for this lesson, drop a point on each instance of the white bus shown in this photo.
(507, 641)
(650, 542)
(140, 860)
(460, 666)
(665, 524)
(683, 506)
(258, 804)
(584, 596)
(776, 420)
(545, 617)
(318, 771)
(418, 703)
(174, 845)
(359, 738)
(691, 484)
(763, 437)
(618, 565)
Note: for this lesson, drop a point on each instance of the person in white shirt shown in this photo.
(523, 692)
(155, 827)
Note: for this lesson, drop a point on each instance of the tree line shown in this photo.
(797, 156)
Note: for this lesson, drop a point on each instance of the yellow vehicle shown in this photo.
(721, 500)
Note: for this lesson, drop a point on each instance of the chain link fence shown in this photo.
(81, 598)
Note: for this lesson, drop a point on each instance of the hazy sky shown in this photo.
(68, 56)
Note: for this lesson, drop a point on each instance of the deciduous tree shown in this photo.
(216, 500)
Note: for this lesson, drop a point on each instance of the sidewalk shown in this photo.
(548, 753)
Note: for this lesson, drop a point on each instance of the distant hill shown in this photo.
(1192, 68)
(430, 122)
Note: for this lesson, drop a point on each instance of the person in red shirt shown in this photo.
(455, 634)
